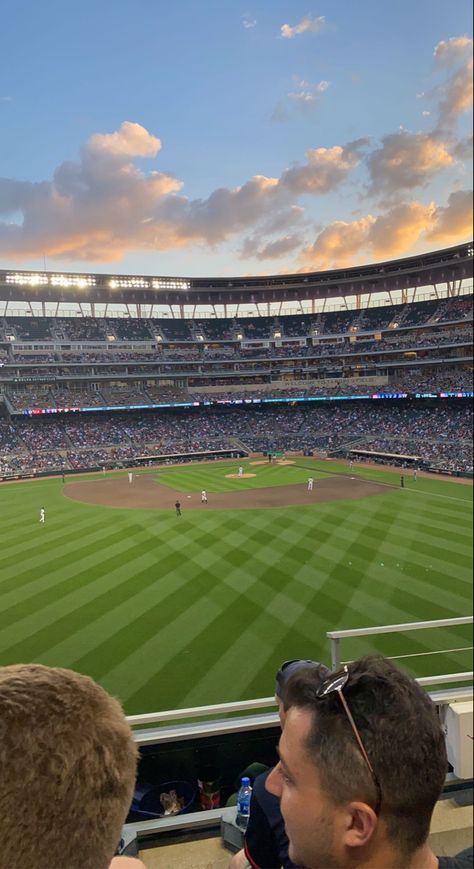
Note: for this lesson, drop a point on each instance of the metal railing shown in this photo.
(176, 725)
(335, 638)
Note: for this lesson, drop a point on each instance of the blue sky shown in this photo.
(232, 138)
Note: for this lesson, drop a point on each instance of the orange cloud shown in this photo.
(325, 168)
(132, 140)
(456, 94)
(339, 243)
(449, 51)
(455, 220)
(399, 229)
(103, 206)
(405, 161)
(392, 234)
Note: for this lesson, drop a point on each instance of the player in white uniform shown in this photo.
(130, 476)
(203, 497)
(310, 484)
(241, 471)
(42, 515)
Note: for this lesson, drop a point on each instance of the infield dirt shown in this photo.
(146, 493)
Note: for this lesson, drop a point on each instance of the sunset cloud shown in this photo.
(253, 247)
(132, 140)
(405, 161)
(325, 168)
(455, 220)
(390, 234)
(455, 95)
(103, 206)
(463, 149)
(306, 25)
(338, 244)
(453, 50)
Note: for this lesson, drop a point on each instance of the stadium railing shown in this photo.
(162, 731)
(335, 638)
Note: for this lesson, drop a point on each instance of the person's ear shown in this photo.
(361, 822)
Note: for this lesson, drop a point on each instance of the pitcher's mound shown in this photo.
(285, 462)
(239, 476)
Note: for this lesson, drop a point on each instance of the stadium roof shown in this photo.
(438, 267)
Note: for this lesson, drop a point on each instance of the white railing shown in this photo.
(200, 711)
(177, 724)
(335, 638)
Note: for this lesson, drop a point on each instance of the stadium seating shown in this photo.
(424, 347)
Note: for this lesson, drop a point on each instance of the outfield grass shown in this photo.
(168, 613)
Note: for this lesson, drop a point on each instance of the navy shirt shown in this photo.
(266, 843)
(464, 860)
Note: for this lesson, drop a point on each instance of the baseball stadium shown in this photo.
(203, 477)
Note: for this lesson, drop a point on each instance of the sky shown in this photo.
(232, 138)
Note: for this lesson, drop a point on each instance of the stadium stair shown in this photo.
(240, 445)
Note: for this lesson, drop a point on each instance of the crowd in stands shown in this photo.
(165, 394)
(435, 433)
(204, 353)
(413, 380)
(449, 456)
(75, 397)
(73, 440)
(122, 395)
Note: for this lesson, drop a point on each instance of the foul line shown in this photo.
(438, 495)
(348, 476)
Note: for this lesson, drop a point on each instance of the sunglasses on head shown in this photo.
(336, 683)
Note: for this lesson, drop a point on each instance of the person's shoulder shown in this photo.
(463, 860)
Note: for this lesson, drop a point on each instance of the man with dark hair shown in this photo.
(266, 843)
(67, 770)
(362, 764)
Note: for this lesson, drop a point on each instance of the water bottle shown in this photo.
(243, 803)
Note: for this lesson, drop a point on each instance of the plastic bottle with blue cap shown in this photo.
(243, 803)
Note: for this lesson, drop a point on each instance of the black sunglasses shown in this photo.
(337, 683)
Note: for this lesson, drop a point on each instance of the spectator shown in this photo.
(362, 765)
(266, 843)
(67, 770)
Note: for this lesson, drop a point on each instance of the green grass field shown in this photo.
(172, 613)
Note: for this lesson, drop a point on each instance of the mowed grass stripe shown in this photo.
(143, 665)
(94, 545)
(91, 638)
(97, 554)
(288, 569)
(245, 619)
(58, 621)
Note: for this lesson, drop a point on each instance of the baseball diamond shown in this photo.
(161, 609)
